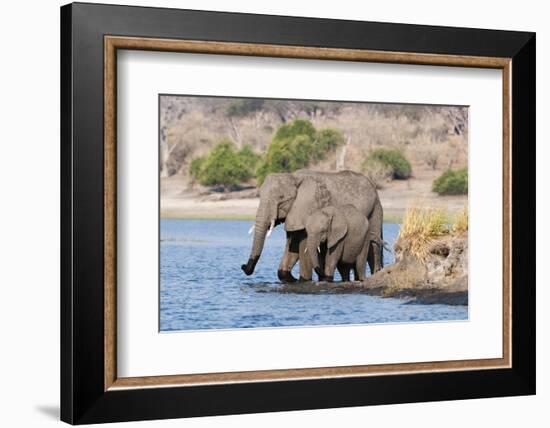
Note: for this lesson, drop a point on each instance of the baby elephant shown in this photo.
(339, 233)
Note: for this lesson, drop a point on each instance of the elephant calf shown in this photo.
(340, 234)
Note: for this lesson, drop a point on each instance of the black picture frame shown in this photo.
(83, 398)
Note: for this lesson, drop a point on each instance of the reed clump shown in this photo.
(422, 226)
(460, 224)
(419, 228)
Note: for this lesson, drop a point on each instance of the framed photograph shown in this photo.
(266, 213)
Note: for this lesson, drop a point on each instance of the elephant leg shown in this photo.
(294, 247)
(374, 238)
(306, 265)
(330, 267)
(361, 263)
(288, 261)
(322, 256)
(344, 270)
(331, 262)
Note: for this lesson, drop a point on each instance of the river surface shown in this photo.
(202, 285)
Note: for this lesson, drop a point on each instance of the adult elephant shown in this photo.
(290, 198)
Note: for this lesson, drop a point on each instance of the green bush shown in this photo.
(296, 145)
(400, 167)
(295, 128)
(249, 158)
(196, 166)
(285, 156)
(326, 141)
(224, 165)
(377, 171)
(452, 182)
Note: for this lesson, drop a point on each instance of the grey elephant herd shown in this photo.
(333, 220)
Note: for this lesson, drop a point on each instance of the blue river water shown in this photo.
(202, 285)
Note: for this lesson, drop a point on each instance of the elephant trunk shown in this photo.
(263, 223)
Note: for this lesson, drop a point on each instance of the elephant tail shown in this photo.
(384, 245)
(387, 248)
(375, 256)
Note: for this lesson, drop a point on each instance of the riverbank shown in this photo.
(440, 277)
(456, 295)
(179, 200)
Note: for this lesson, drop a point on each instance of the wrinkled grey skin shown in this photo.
(343, 229)
(290, 198)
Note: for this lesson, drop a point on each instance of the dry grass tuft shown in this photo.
(428, 222)
(461, 222)
(420, 227)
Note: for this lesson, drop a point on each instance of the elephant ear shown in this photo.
(337, 229)
(312, 195)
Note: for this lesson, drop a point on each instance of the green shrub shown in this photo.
(326, 141)
(249, 158)
(452, 182)
(296, 145)
(196, 167)
(295, 128)
(400, 167)
(285, 155)
(377, 171)
(224, 165)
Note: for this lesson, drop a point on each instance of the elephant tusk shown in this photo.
(319, 250)
(271, 226)
(305, 251)
(251, 229)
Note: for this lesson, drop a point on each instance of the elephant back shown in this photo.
(318, 190)
(350, 188)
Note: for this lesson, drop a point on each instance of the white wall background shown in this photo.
(29, 217)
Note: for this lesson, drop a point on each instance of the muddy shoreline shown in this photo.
(441, 278)
(423, 295)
